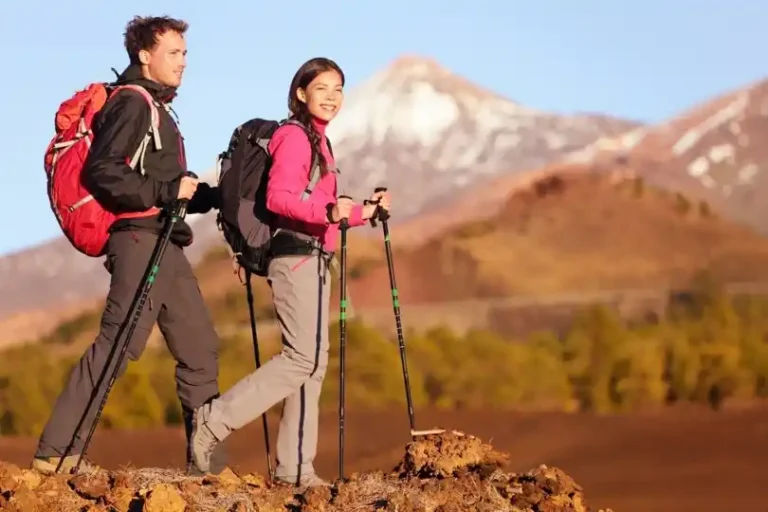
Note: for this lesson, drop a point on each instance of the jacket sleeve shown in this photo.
(204, 199)
(291, 158)
(118, 132)
(356, 216)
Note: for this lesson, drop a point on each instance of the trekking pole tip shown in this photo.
(433, 431)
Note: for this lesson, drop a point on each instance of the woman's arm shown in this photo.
(291, 158)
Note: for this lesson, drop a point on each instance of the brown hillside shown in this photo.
(473, 203)
(574, 232)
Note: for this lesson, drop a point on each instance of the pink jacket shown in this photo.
(288, 177)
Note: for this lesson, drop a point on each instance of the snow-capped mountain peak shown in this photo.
(417, 100)
(416, 120)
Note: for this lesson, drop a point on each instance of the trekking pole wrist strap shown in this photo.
(329, 213)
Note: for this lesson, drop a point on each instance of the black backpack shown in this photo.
(242, 173)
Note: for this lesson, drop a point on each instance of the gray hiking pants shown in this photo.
(301, 292)
(175, 303)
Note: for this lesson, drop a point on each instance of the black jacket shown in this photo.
(118, 130)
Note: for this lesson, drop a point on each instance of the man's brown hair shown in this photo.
(141, 33)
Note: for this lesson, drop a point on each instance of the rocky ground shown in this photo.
(448, 472)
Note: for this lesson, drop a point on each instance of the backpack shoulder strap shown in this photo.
(314, 175)
(153, 133)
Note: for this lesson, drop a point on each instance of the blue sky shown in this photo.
(642, 60)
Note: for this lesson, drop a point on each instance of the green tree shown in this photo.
(373, 372)
(682, 362)
(754, 344)
(545, 375)
(29, 384)
(488, 371)
(638, 378)
(133, 402)
(591, 349)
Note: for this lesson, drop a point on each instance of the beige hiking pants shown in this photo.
(301, 293)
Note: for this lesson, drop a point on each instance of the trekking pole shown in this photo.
(249, 293)
(132, 320)
(383, 216)
(344, 225)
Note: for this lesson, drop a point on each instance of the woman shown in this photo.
(298, 276)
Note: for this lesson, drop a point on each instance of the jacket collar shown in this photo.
(133, 75)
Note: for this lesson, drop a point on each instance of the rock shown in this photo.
(317, 499)
(28, 478)
(53, 487)
(123, 479)
(9, 477)
(91, 486)
(23, 500)
(8, 469)
(120, 499)
(164, 498)
(547, 490)
(447, 454)
(189, 487)
(123, 492)
(228, 479)
(254, 480)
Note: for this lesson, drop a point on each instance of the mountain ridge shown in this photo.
(711, 151)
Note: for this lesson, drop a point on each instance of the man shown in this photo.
(157, 53)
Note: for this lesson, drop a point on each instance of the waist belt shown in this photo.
(289, 243)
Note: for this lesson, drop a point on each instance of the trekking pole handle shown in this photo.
(344, 222)
(380, 213)
(180, 208)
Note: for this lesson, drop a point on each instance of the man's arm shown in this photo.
(206, 198)
(123, 123)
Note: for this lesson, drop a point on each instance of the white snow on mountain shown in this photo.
(424, 132)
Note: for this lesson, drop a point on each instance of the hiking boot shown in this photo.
(217, 462)
(48, 465)
(218, 457)
(306, 481)
(202, 441)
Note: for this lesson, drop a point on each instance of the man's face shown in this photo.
(165, 63)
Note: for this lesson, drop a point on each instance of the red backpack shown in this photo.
(84, 221)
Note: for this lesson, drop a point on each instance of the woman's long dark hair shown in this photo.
(301, 80)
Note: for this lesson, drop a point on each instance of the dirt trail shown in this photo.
(681, 459)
